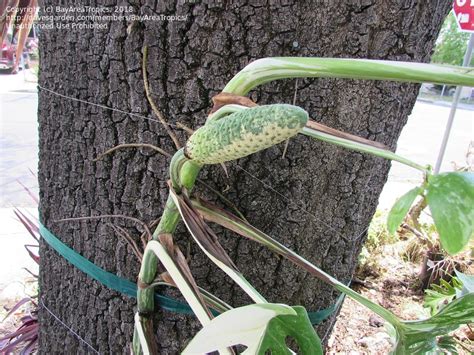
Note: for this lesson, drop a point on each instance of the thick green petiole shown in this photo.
(211, 300)
(268, 69)
(177, 162)
(361, 147)
(265, 70)
(180, 170)
(195, 302)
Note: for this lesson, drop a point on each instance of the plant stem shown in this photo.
(264, 70)
(211, 300)
(168, 223)
(360, 147)
(233, 273)
(155, 247)
(225, 110)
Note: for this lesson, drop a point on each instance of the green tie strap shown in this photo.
(129, 288)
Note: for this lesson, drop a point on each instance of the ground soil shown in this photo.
(395, 285)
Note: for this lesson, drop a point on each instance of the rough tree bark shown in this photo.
(329, 194)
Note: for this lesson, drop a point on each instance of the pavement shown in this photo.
(461, 105)
(18, 166)
(419, 141)
(19, 147)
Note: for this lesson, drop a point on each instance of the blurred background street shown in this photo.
(18, 166)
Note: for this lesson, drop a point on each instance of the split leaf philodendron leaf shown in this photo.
(450, 197)
(419, 337)
(400, 209)
(259, 327)
(298, 327)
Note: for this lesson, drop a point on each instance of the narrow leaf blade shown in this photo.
(17, 306)
(400, 209)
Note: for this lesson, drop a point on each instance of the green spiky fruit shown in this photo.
(243, 133)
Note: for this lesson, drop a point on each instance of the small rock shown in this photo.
(365, 341)
(373, 341)
(375, 321)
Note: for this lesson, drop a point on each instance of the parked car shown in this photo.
(467, 93)
(449, 90)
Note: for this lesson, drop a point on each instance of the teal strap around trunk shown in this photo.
(129, 288)
(108, 279)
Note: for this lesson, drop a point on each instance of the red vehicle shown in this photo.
(7, 54)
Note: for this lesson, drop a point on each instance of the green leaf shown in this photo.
(447, 343)
(467, 284)
(437, 296)
(400, 209)
(460, 311)
(298, 327)
(259, 327)
(450, 197)
(467, 281)
(417, 337)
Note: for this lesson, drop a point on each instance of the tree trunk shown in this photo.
(321, 198)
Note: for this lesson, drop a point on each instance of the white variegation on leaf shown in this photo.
(240, 326)
(186, 290)
(141, 335)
